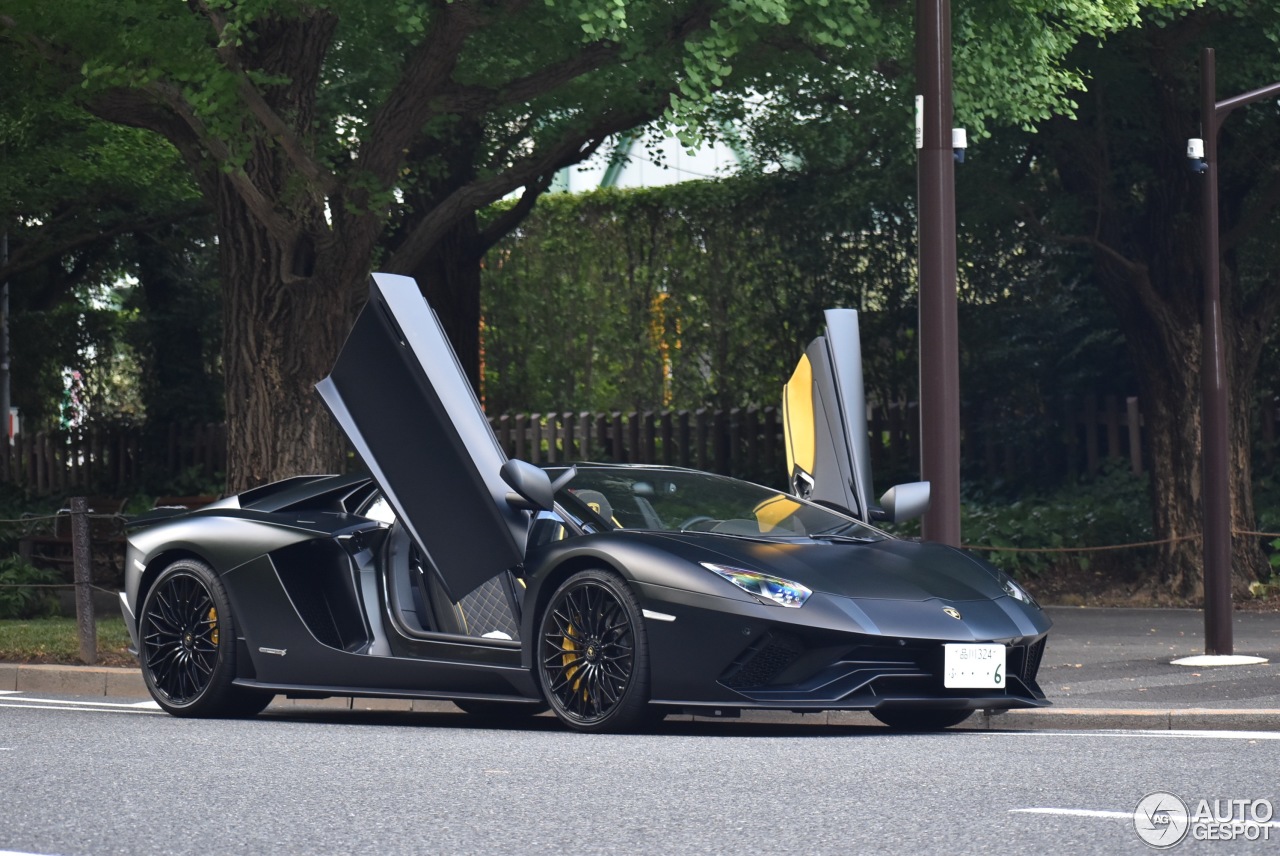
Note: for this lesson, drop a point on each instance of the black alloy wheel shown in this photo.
(593, 660)
(187, 645)
(925, 719)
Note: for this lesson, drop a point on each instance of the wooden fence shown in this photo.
(998, 443)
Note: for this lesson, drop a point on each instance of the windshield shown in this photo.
(689, 501)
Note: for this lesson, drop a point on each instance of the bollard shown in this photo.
(81, 556)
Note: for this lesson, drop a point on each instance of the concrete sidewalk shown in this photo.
(1103, 668)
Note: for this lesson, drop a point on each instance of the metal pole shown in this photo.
(1215, 464)
(82, 564)
(5, 402)
(939, 339)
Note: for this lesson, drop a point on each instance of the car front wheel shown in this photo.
(593, 659)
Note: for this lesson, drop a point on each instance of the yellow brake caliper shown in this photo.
(570, 660)
(212, 618)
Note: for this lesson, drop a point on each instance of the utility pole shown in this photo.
(939, 337)
(1214, 413)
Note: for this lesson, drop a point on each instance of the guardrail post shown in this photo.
(81, 556)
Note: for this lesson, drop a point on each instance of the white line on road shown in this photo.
(10, 703)
(7, 692)
(136, 705)
(1075, 812)
(1110, 815)
(1139, 733)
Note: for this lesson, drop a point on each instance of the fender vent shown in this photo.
(762, 661)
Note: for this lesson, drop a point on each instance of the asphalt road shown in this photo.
(95, 776)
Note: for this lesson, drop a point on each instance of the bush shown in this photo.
(1112, 508)
(17, 597)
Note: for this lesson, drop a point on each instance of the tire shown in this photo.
(187, 645)
(498, 709)
(921, 719)
(593, 657)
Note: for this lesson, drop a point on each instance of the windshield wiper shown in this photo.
(842, 538)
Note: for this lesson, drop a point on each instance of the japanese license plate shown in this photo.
(973, 666)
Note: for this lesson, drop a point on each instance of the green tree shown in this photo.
(1101, 196)
(1116, 186)
(332, 135)
(74, 191)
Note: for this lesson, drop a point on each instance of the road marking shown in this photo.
(8, 692)
(1140, 733)
(1110, 815)
(11, 703)
(1075, 812)
(144, 705)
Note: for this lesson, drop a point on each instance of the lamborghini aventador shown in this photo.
(612, 594)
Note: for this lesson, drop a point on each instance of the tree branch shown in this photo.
(262, 111)
(571, 149)
(401, 117)
(23, 260)
(512, 217)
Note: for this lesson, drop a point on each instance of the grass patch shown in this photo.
(55, 640)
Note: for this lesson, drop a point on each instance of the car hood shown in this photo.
(882, 570)
(890, 587)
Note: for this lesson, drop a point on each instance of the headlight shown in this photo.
(1017, 592)
(780, 591)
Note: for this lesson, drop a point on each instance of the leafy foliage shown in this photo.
(1112, 509)
(17, 597)
(692, 295)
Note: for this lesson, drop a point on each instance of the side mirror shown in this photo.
(531, 486)
(904, 502)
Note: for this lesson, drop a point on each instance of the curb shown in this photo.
(127, 683)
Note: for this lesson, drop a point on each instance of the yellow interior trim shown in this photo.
(773, 511)
(797, 417)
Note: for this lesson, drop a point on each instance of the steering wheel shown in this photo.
(695, 520)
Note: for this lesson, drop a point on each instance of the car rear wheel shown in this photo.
(187, 645)
(921, 720)
(593, 659)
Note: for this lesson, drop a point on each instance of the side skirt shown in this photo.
(314, 691)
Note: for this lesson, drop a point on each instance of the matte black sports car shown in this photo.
(612, 594)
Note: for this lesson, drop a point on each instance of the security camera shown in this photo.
(1195, 153)
(959, 142)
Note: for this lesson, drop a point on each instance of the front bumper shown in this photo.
(725, 653)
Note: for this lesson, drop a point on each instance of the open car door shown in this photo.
(403, 400)
(825, 419)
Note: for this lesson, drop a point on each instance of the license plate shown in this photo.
(973, 666)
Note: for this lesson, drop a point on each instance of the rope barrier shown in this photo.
(55, 586)
(93, 515)
(1134, 545)
(1100, 549)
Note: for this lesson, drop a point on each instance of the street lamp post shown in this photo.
(1214, 417)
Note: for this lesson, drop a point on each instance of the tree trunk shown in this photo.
(280, 338)
(1165, 347)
